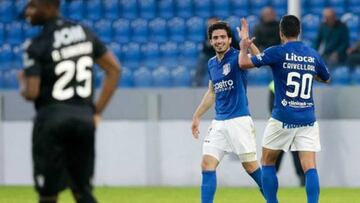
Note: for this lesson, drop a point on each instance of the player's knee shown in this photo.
(209, 163)
(250, 167)
(307, 164)
(269, 157)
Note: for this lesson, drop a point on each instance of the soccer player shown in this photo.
(232, 130)
(293, 124)
(58, 77)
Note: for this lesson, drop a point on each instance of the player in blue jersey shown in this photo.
(232, 130)
(293, 124)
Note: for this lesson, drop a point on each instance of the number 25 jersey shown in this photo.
(294, 66)
(63, 55)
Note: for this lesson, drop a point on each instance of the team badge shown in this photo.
(226, 69)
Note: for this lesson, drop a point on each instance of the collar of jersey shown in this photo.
(225, 55)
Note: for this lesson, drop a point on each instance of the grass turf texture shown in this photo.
(183, 195)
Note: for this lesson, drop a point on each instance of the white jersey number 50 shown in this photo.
(304, 88)
(69, 69)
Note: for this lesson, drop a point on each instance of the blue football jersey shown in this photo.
(294, 66)
(229, 83)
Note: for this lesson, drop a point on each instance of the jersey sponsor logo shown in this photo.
(84, 48)
(224, 85)
(296, 58)
(296, 104)
(290, 126)
(68, 35)
(226, 69)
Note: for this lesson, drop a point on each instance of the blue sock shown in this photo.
(256, 175)
(312, 185)
(208, 186)
(269, 183)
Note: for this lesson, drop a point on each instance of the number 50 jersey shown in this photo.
(63, 55)
(294, 66)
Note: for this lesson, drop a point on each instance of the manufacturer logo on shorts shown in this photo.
(226, 69)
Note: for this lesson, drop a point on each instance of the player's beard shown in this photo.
(222, 49)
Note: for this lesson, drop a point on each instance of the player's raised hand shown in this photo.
(195, 127)
(244, 31)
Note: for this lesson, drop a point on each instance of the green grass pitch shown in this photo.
(184, 195)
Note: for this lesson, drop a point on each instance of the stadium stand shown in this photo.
(171, 29)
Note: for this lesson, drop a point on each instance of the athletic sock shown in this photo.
(312, 186)
(256, 175)
(208, 186)
(269, 183)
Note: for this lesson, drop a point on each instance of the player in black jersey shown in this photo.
(58, 77)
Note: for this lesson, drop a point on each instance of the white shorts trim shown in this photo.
(306, 138)
(235, 135)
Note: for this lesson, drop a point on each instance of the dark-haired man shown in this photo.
(293, 124)
(58, 77)
(232, 130)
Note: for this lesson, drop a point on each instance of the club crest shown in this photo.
(226, 69)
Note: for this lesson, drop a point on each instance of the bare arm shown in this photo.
(29, 86)
(206, 102)
(112, 74)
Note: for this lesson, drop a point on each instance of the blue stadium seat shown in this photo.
(139, 30)
(88, 23)
(64, 8)
(340, 76)
(161, 77)
(94, 9)
(2, 33)
(127, 78)
(98, 75)
(121, 30)
(339, 6)
(158, 30)
(252, 20)
(6, 11)
(104, 30)
(259, 76)
(6, 56)
(19, 6)
(14, 33)
(177, 29)
(310, 26)
(116, 49)
(181, 77)
(147, 9)
(184, 8)
(196, 29)
(150, 54)
(354, 6)
(9, 78)
(17, 57)
(30, 31)
(202, 8)
(129, 9)
(221, 8)
(142, 77)
(169, 54)
(353, 23)
(166, 9)
(189, 54)
(76, 10)
(317, 6)
(280, 7)
(240, 8)
(355, 76)
(111, 9)
(132, 55)
(258, 5)
(234, 21)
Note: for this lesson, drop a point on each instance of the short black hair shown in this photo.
(220, 25)
(290, 26)
(51, 2)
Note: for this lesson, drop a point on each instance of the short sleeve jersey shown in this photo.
(294, 66)
(62, 55)
(229, 82)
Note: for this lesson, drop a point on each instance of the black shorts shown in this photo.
(63, 149)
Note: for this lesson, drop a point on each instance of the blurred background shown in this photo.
(145, 138)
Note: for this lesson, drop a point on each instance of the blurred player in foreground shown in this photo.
(293, 124)
(58, 77)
